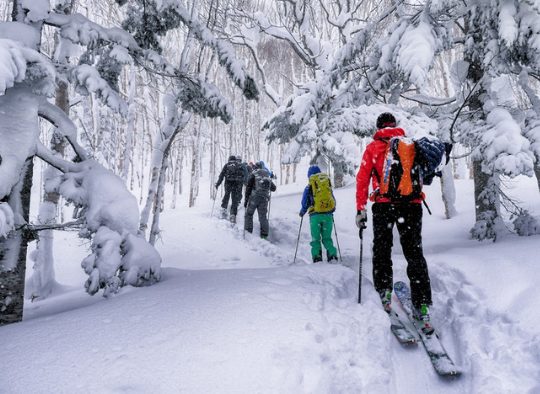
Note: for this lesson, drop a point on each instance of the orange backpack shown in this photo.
(401, 179)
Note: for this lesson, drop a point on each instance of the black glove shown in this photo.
(245, 203)
(361, 219)
(217, 185)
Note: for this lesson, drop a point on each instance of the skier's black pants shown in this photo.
(259, 203)
(408, 219)
(234, 190)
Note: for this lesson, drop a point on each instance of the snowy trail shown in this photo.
(233, 316)
(344, 320)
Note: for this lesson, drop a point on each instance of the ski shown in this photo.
(438, 355)
(400, 331)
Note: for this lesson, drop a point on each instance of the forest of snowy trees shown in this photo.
(116, 107)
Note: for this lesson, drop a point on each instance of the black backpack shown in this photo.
(263, 183)
(234, 172)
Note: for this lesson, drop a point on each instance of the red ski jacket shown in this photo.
(372, 165)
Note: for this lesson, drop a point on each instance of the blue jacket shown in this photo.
(307, 196)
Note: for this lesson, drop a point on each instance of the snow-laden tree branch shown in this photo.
(65, 126)
(197, 95)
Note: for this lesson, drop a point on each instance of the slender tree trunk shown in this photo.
(160, 162)
(448, 192)
(339, 174)
(159, 193)
(195, 174)
(13, 251)
(160, 153)
(155, 230)
(127, 159)
(213, 159)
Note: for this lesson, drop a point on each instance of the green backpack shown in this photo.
(322, 193)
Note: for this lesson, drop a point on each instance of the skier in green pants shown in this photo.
(318, 200)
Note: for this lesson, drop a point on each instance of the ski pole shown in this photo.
(269, 206)
(298, 239)
(361, 235)
(245, 214)
(337, 240)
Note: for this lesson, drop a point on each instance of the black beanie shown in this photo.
(386, 119)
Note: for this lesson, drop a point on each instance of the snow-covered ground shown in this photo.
(233, 315)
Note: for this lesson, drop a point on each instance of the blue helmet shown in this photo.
(313, 170)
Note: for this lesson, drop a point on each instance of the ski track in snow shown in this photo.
(233, 315)
(342, 328)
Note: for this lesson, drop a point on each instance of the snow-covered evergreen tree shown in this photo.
(388, 63)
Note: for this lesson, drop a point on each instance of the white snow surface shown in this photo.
(233, 315)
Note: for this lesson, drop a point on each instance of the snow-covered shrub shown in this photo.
(525, 224)
(109, 214)
(488, 226)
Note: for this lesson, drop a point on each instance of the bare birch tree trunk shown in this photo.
(160, 155)
(195, 165)
(127, 158)
(339, 174)
(13, 251)
(448, 189)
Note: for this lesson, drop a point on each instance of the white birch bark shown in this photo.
(448, 189)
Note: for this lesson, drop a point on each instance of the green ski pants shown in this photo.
(321, 229)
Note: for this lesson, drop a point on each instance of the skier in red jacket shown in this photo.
(406, 215)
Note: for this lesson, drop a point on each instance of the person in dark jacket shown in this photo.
(258, 191)
(321, 223)
(405, 215)
(234, 175)
(245, 171)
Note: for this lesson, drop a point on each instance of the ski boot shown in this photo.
(223, 213)
(330, 258)
(386, 300)
(421, 315)
(317, 259)
(232, 218)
